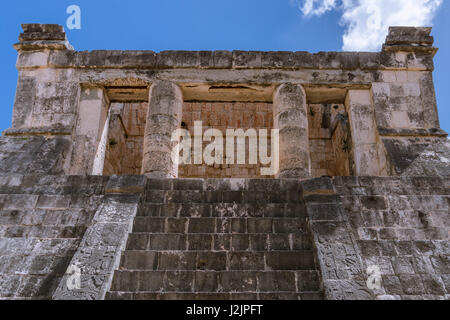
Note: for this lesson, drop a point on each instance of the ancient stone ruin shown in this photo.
(353, 202)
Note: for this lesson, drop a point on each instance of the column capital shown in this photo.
(290, 88)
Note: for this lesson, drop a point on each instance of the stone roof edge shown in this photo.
(285, 60)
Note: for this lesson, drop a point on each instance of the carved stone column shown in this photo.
(91, 132)
(367, 149)
(164, 116)
(291, 118)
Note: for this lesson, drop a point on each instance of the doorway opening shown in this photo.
(330, 137)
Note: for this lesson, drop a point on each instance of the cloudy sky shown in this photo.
(366, 21)
(304, 25)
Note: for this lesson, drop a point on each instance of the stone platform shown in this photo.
(139, 238)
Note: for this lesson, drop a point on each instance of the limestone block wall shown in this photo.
(327, 151)
(396, 224)
(42, 220)
(401, 226)
(422, 155)
(45, 97)
(134, 117)
(405, 99)
(434, 160)
(132, 162)
(343, 147)
(125, 142)
(116, 147)
(34, 154)
(223, 116)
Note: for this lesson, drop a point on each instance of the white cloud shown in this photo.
(367, 21)
(317, 7)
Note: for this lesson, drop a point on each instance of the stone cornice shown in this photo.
(239, 60)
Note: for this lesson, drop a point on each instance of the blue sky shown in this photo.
(194, 25)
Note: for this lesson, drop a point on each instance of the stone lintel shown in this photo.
(256, 60)
(419, 132)
(39, 131)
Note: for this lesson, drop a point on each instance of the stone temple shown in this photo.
(93, 204)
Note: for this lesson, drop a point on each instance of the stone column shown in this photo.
(366, 142)
(163, 117)
(88, 147)
(291, 118)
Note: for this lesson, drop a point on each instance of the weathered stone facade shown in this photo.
(94, 205)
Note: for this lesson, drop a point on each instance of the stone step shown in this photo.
(219, 225)
(219, 242)
(224, 185)
(217, 261)
(120, 295)
(276, 210)
(216, 282)
(196, 196)
(202, 239)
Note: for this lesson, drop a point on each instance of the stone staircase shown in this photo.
(219, 239)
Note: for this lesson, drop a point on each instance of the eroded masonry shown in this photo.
(96, 204)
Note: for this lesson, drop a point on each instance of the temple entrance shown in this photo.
(330, 140)
(245, 110)
(247, 117)
(124, 145)
(241, 119)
